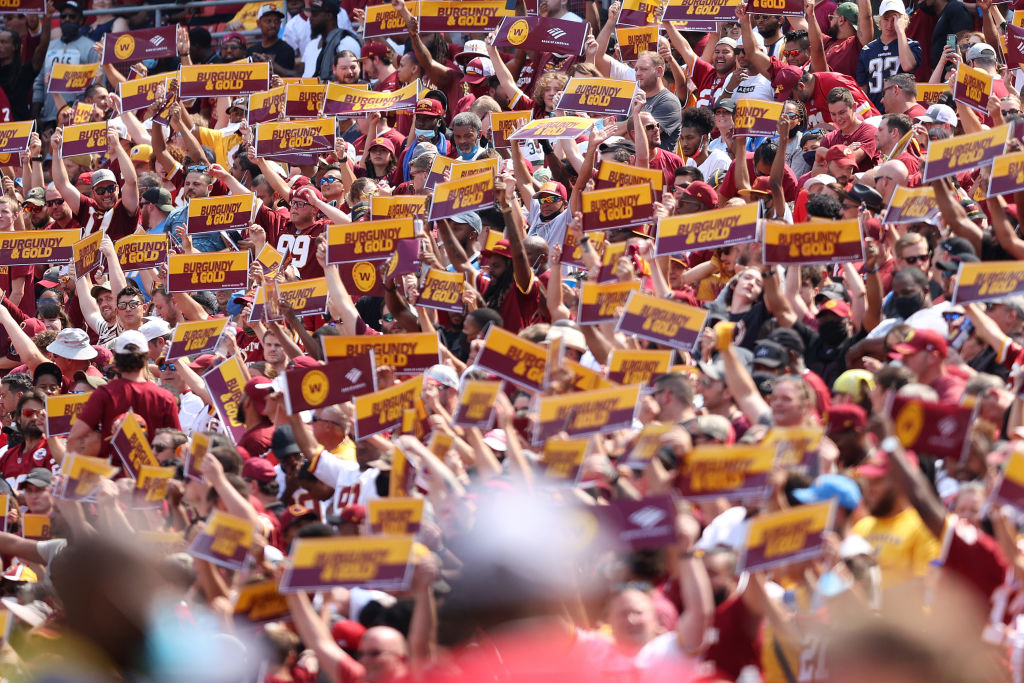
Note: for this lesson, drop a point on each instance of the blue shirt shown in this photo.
(877, 62)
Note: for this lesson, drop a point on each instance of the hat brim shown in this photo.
(65, 351)
(752, 191)
(487, 253)
(464, 58)
(900, 350)
(474, 80)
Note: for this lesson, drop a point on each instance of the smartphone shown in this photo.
(951, 42)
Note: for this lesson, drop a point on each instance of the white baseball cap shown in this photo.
(939, 113)
(72, 343)
(128, 339)
(823, 178)
(891, 6)
(154, 327)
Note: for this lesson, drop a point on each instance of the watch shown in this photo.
(890, 444)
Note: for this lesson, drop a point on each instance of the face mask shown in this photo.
(466, 156)
(906, 306)
(832, 333)
(69, 31)
(425, 133)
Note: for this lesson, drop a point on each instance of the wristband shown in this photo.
(724, 333)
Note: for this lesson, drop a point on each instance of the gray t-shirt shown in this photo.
(667, 111)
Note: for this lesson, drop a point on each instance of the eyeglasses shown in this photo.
(201, 168)
(388, 318)
(160, 447)
(884, 177)
(740, 51)
(109, 189)
(917, 259)
(964, 47)
(549, 199)
(31, 412)
(143, 205)
(330, 422)
(652, 126)
(164, 367)
(329, 180)
(1007, 112)
(791, 53)
(129, 305)
(298, 204)
(54, 202)
(679, 188)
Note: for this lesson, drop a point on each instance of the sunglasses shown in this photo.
(329, 180)
(679, 188)
(129, 305)
(549, 199)
(31, 412)
(652, 126)
(198, 167)
(791, 53)
(167, 366)
(110, 189)
(1007, 112)
(54, 202)
(917, 259)
(330, 422)
(31, 208)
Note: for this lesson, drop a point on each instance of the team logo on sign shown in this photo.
(519, 31)
(124, 47)
(364, 275)
(314, 387)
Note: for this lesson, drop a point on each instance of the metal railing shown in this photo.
(159, 9)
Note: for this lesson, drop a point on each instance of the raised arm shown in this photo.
(1004, 232)
(332, 660)
(506, 81)
(866, 28)
(694, 623)
(339, 301)
(955, 216)
(760, 62)
(818, 60)
(61, 181)
(778, 172)
(774, 299)
(435, 71)
(601, 59)
(28, 352)
(741, 385)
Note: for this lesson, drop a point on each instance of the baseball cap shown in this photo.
(920, 340)
(553, 187)
(953, 264)
(725, 40)
(570, 336)
(282, 442)
(258, 469)
(73, 4)
(726, 103)
(837, 306)
(130, 341)
(762, 186)
(443, 375)
(20, 573)
(374, 49)
(154, 328)
(51, 278)
(37, 196)
(478, 70)
(866, 195)
(788, 338)
(46, 368)
(39, 476)
(853, 383)
(501, 248)
(939, 113)
(785, 80)
(104, 175)
(611, 143)
(841, 154)
(957, 245)
(92, 380)
(72, 343)
(160, 198)
(347, 633)
(714, 427)
(293, 513)
(236, 302)
(821, 178)
(981, 51)
(239, 103)
(877, 464)
(258, 388)
(468, 218)
(325, 6)
(701, 192)
(383, 142)
(269, 8)
(429, 107)
(842, 417)
(891, 6)
(848, 11)
(202, 362)
(234, 36)
(828, 486)
(84, 178)
(141, 153)
(496, 439)
(770, 354)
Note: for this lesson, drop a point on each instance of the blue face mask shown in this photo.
(425, 132)
(466, 156)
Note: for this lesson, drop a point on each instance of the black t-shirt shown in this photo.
(954, 18)
(825, 361)
(752, 321)
(281, 51)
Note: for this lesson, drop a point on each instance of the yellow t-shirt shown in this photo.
(903, 545)
(346, 450)
(220, 144)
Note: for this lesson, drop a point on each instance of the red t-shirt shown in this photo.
(728, 189)
(281, 233)
(974, 557)
(667, 163)
(255, 443)
(121, 223)
(817, 106)
(8, 274)
(517, 307)
(153, 403)
(16, 464)
(739, 637)
(864, 134)
(707, 81)
(389, 84)
(841, 55)
(391, 134)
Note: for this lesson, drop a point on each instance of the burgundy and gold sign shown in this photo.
(638, 13)
(207, 272)
(584, 413)
(196, 337)
(613, 251)
(472, 193)
(295, 141)
(513, 358)
(304, 101)
(476, 404)
(617, 207)
(348, 100)
(226, 384)
(1010, 489)
(131, 443)
(453, 16)
(81, 113)
(776, 539)
(572, 250)
(61, 411)
(988, 281)
(787, 8)
(706, 230)
(554, 128)
(911, 205)
(140, 45)
(542, 34)
(224, 212)
(260, 602)
(1007, 174)
(600, 303)
(71, 79)
(223, 80)
(972, 87)
(406, 353)
(398, 206)
(633, 40)
(385, 20)
(329, 384)
(224, 541)
(627, 366)
(84, 138)
(661, 320)
(401, 481)
(756, 118)
(615, 174)
(443, 290)
(712, 10)
(503, 124)
(379, 562)
(362, 278)
(812, 243)
(1013, 46)
(934, 429)
(367, 241)
(82, 476)
(382, 410)
(637, 524)
(35, 526)
(457, 170)
(137, 252)
(394, 516)
(266, 106)
(87, 254)
(603, 96)
(14, 137)
(306, 297)
(930, 93)
(735, 472)
(562, 460)
(47, 247)
(151, 486)
(140, 92)
(23, 7)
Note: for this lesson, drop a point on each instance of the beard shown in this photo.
(832, 32)
(32, 430)
(884, 506)
(720, 594)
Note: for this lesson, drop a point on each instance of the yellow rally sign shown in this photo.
(964, 152)
(661, 320)
(81, 113)
(615, 174)
(195, 272)
(503, 124)
(382, 410)
(131, 443)
(513, 358)
(757, 117)
(136, 252)
(476, 404)
(151, 486)
(911, 205)
(223, 80)
(304, 100)
(585, 379)
(617, 207)
(71, 79)
(634, 40)
(266, 105)
(350, 99)
(84, 138)
(225, 541)
(411, 353)
(82, 476)
(555, 128)
(270, 259)
(604, 96)
(930, 93)
(14, 137)
(368, 241)
(37, 248)
(707, 230)
(600, 303)
(735, 472)
(584, 413)
(87, 254)
(786, 537)
(471, 193)
(294, 137)
(443, 290)
(61, 410)
(381, 562)
(972, 87)
(563, 460)
(306, 297)
(398, 206)
(195, 337)
(810, 243)
(987, 280)
(141, 92)
(394, 516)
(638, 367)
(1007, 174)
(224, 212)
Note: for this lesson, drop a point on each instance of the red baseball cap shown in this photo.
(841, 154)
(843, 417)
(348, 633)
(475, 72)
(920, 340)
(383, 142)
(258, 388)
(202, 362)
(234, 35)
(501, 248)
(553, 187)
(761, 186)
(429, 107)
(701, 192)
(305, 362)
(84, 178)
(877, 463)
(258, 469)
(374, 50)
(294, 513)
(785, 80)
(837, 306)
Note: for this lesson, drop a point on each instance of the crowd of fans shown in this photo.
(918, 576)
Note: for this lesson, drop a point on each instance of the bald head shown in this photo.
(536, 252)
(384, 654)
(889, 176)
